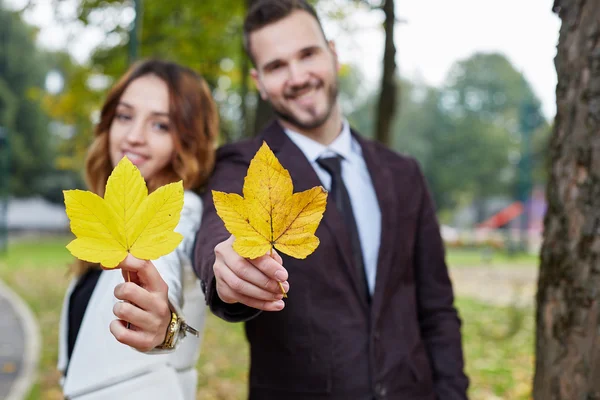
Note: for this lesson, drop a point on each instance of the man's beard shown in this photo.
(332, 94)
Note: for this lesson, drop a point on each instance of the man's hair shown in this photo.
(266, 12)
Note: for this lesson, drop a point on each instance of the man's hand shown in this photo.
(145, 306)
(250, 282)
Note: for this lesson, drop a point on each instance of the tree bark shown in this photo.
(263, 112)
(567, 315)
(387, 98)
(244, 90)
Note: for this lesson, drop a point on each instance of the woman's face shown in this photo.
(141, 129)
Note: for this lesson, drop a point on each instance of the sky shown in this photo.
(437, 33)
(434, 35)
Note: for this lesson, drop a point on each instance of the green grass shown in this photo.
(37, 271)
(498, 345)
(499, 350)
(37, 252)
(479, 257)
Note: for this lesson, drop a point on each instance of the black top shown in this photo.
(80, 297)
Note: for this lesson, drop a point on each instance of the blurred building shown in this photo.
(35, 215)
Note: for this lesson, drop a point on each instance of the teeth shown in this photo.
(133, 157)
(307, 93)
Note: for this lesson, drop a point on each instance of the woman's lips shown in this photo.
(136, 159)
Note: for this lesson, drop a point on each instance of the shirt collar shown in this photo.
(342, 145)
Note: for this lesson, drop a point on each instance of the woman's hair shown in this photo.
(192, 114)
(193, 117)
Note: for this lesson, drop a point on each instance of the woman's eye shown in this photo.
(123, 117)
(161, 126)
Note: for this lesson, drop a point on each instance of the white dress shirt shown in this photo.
(357, 179)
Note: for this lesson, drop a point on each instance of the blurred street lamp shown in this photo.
(529, 120)
(135, 32)
(4, 187)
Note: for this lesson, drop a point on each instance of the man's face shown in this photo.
(296, 70)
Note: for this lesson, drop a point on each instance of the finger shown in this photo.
(144, 272)
(272, 285)
(249, 271)
(130, 276)
(271, 267)
(137, 339)
(265, 305)
(266, 265)
(241, 285)
(277, 305)
(277, 257)
(134, 315)
(130, 292)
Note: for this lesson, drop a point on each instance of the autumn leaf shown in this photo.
(270, 214)
(126, 220)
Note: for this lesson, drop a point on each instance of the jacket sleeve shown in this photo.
(171, 266)
(228, 177)
(438, 319)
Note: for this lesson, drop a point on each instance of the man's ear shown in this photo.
(331, 45)
(258, 83)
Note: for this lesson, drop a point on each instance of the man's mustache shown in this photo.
(296, 90)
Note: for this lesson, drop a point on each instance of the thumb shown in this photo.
(143, 273)
(275, 256)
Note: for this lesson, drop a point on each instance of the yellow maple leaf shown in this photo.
(127, 220)
(270, 214)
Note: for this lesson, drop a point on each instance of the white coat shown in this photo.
(101, 368)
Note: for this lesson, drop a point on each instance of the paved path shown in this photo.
(19, 346)
(496, 284)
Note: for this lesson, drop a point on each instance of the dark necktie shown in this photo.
(339, 194)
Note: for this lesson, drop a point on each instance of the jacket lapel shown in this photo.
(383, 180)
(304, 177)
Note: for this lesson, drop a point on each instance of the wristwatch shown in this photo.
(176, 331)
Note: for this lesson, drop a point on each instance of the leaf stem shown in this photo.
(128, 280)
(280, 285)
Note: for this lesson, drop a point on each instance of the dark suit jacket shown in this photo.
(328, 342)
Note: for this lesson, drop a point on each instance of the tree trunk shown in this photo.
(567, 315)
(387, 97)
(263, 112)
(244, 89)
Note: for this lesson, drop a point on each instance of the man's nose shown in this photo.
(297, 75)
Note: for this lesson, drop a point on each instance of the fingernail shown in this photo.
(279, 276)
(278, 296)
(279, 304)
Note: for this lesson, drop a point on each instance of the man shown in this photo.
(370, 313)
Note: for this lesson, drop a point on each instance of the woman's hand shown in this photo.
(144, 305)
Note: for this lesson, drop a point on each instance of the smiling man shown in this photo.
(370, 313)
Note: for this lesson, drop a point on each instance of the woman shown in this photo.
(162, 117)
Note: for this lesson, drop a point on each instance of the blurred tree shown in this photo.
(207, 36)
(468, 145)
(567, 363)
(487, 92)
(386, 106)
(23, 69)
